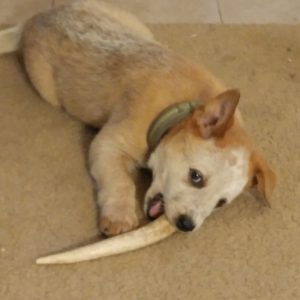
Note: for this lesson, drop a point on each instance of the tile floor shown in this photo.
(176, 11)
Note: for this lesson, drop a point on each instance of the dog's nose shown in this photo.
(185, 223)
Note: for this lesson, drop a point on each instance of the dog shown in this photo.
(155, 109)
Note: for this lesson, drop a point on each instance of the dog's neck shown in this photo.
(168, 118)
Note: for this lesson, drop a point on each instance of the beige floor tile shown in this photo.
(175, 11)
(260, 11)
(172, 11)
(15, 11)
(169, 11)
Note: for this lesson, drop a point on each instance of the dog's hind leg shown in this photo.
(41, 75)
(37, 46)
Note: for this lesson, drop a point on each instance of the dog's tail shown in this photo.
(10, 39)
(142, 237)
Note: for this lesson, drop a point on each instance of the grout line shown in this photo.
(220, 11)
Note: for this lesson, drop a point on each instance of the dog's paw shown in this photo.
(115, 221)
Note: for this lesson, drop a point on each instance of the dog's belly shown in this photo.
(86, 95)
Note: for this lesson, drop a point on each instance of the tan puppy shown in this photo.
(103, 66)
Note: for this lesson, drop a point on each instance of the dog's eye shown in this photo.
(196, 178)
(221, 202)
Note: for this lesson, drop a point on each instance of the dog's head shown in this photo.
(204, 163)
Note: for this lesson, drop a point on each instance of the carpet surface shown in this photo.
(243, 251)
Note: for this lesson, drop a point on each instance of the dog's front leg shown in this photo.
(113, 172)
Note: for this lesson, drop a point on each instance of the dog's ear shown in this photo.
(217, 114)
(262, 179)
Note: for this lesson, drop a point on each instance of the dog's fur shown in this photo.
(104, 67)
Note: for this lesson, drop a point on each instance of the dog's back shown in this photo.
(64, 47)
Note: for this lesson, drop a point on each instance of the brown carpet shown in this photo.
(242, 252)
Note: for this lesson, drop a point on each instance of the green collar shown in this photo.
(168, 118)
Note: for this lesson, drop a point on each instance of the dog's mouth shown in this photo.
(155, 207)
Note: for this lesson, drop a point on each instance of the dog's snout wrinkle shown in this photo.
(159, 196)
